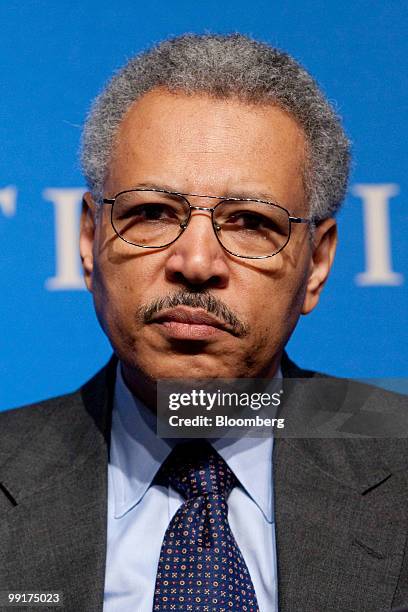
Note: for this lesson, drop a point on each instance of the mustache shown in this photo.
(196, 299)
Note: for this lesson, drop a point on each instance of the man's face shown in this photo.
(199, 145)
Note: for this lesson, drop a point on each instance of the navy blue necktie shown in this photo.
(201, 567)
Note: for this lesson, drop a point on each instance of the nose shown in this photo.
(197, 258)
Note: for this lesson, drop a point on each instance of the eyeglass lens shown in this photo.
(245, 228)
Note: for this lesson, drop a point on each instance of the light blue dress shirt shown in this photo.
(139, 511)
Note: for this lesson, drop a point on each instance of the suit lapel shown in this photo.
(341, 520)
(55, 501)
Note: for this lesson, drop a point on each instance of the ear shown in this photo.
(323, 251)
(87, 236)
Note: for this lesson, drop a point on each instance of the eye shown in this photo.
(250, 221)
(149, 212)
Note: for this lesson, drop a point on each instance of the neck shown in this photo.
(142, 386)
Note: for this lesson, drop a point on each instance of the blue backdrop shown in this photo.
(55, 56)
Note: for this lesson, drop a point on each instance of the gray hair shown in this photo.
(230, 66)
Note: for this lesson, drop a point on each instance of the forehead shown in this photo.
(196, 143)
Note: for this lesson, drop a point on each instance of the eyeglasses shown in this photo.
(247, 228)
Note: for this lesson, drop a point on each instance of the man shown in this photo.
(215, 168)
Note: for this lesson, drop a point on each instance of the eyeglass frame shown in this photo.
(184, 225)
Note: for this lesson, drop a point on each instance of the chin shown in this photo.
(187, 367)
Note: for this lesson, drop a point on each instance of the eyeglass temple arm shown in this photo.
(299, 220)
(108, 200)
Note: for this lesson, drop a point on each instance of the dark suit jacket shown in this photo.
(341, 505)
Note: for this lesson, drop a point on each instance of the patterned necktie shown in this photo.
(201, 567)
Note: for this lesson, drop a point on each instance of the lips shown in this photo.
(187, 323)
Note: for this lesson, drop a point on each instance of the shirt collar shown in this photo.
(136, 451)
(251, 461)
(137, 454)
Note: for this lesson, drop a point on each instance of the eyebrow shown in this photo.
(257, 195)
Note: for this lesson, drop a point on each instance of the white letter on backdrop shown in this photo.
(377, 234)
(67, 208)
(8, 198)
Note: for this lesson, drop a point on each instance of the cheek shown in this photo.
(274, 304)
(117, 291)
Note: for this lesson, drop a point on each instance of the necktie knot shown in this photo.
(194, 469)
